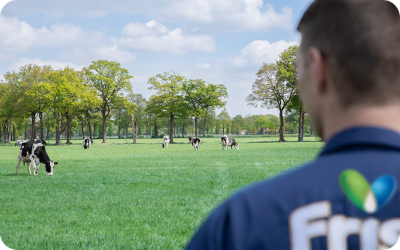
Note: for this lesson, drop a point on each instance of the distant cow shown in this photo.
(166, 141)
(228, 141)
(86, 143)
(195, 141)
(34, 152)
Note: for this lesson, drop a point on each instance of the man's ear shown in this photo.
(317, 69)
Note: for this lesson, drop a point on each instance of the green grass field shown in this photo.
(121, 196)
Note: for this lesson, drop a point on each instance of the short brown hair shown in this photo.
(360, 40)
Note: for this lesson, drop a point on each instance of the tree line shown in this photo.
(61, 99)
(100, 96)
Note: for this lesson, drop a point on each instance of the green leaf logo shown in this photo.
(367, 198)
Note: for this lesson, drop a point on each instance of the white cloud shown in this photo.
(55, 64)
(229, 15)
(155, 37)
(75, 43)
(202, 66)
(257, 52)
(215, 15)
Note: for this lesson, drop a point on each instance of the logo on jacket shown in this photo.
(369, 198)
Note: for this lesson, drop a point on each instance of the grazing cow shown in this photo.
(228, 141)
(166, 141)
(19, 142)
(34, 152)
(195, 141)
(86, 143)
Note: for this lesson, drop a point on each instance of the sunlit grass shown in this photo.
(122, 196)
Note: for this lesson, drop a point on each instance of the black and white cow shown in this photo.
(195, 141)
(86, 143)
(228, 141)
(34, 152)
(19, 142)
(166, 141)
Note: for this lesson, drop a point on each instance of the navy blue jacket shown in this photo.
(348, 198)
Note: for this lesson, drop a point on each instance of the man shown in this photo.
(349, 197)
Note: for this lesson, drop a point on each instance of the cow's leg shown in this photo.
(29, 167)
(34, 165)
(19, 161)
(37, 169)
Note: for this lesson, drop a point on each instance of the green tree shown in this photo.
(37, 96)
(274, 122)
(64, 100)
(201, 96)
(270, 92)
(287, 73)
(168, 102)
(262, 122)
(139, 115)
(208, 120)
(12, 91)
(238, 124)
(89, 102)
(110, 80)
(224, 120)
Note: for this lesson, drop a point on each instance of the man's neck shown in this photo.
(385, 116)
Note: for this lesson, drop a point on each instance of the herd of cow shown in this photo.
(34, 151)
(226, 141)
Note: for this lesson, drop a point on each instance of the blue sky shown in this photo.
(219, 41)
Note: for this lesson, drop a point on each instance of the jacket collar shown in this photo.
(363, 137)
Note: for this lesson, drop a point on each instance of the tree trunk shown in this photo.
(155, 128)
(301, 123)
(183, 130)
(33, 134)
(47, 131)
(90, 130)
(104, 128)
(196, 128)
(68, 129)
(171, 129)
(6, 132)
(204, 128)
(83, 132)
(41, 126)
(147, 129)
(58, 134)
(133, 130)
(281, 139)
(94, 131)
(25, 132)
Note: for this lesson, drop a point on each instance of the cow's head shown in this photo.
(236, 146)
(50, 166)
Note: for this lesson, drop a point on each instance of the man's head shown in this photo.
(350, 50)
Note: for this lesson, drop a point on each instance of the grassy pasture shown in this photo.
(121, 196)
